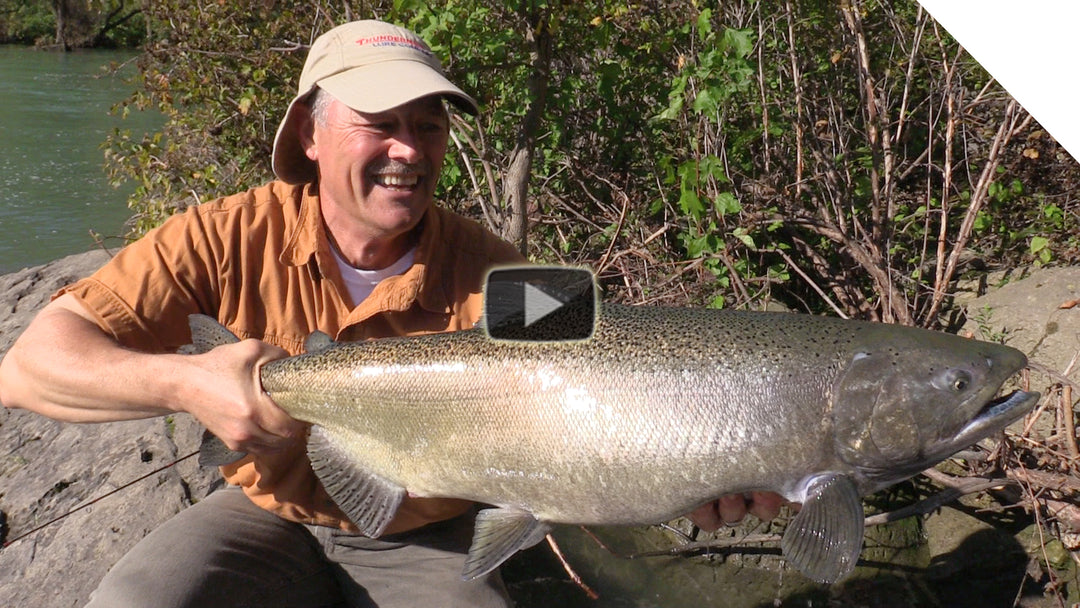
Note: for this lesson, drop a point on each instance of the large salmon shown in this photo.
(662, 410)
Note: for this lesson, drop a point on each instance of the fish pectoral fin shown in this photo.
(499, 534)
(214, 453)
(825, 539)
(370, 501)
(317, 341)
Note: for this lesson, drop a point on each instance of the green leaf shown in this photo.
(690, 203)
(695, 247)
(704, 27)
(675, 99)
(726, 204)
(743, 235)
(741, 42)
(713, 167)
(706, 102)
(1039, 244)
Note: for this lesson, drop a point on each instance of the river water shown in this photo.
(54, 116)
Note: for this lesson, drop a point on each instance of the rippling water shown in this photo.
(54, 116)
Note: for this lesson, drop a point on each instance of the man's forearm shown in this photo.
(64, 367)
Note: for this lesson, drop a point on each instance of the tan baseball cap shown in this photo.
(371, 66)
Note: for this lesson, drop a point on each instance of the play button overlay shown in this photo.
(540, 304)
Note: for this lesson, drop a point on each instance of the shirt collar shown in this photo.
(303, 242)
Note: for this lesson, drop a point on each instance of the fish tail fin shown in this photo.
(214, 453)
(206, 333)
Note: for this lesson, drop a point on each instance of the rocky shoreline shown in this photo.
(49, 468)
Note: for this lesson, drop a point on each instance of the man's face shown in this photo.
(380, 169)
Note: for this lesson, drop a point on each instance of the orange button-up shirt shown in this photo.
(261, 263)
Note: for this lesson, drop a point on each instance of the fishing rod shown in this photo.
(52, 521)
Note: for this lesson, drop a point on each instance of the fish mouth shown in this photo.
(994, 417)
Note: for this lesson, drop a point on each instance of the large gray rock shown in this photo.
(49, 468)
(1038, 314)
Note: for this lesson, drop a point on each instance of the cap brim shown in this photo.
(291, 165)
(381, 86)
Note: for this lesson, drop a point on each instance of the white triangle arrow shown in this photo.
(538, 304)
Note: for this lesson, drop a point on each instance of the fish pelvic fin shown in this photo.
(825, 539)
(369, 501)
(206, 333)
(214, 453)
(499, 534)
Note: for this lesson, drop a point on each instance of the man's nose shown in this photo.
(406, 146)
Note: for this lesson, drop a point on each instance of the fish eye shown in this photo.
(955, 380)
(960, 383)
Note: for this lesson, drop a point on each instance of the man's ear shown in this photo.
(305, 130)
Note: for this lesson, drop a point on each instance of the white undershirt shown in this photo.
(361, 283)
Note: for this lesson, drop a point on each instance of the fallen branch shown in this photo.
(569, 570)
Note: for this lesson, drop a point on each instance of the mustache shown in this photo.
(392, 166)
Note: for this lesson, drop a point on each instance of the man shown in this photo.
(347, 241)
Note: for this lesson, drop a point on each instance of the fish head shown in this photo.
(909, 398)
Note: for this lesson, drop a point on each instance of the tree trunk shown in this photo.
(62, 10)
(516, 183)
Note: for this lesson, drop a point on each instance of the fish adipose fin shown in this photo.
(825, 538)
(499, 534)
(317, 341)
(368, 500)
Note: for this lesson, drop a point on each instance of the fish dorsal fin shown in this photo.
(317, 341)
(499, 534)
(370, 501)
(214, 453)
(825, 538)
(206, 333)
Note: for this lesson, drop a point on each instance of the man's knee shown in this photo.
(223, 551)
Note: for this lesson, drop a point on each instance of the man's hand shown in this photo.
(227, 398)
(732, 508)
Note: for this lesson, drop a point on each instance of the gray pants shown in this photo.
(225, 552)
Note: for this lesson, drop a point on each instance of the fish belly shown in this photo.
(569, 441)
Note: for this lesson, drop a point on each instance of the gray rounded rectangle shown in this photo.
(540, 303)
